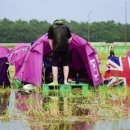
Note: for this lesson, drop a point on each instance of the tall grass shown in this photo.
(98, 103)
(102, 103)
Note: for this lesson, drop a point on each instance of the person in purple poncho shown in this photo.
(59, 36)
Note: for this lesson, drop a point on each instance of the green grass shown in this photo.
(103, 52)
(101, 103)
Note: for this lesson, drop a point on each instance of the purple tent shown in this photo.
(4, 51)
(17, 55)
(4, 77)
(18, 52)
(128, 53)
(83, 58)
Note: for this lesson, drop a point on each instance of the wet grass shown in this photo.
(4, 102)
(101, 103)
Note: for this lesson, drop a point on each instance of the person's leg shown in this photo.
(55, 74)
(55, 59)
(66, 73)
(65, 63)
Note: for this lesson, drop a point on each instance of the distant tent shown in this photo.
(117, 71)
(17, 55)
(4, 77)
(12, 56)
(84, 59)
(18, 52)
(4, 51)
(128, 53)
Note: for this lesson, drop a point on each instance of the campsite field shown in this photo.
(103, 53)
(98, 109)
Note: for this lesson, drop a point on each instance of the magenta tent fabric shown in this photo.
(31, 70)
(4, 51)
(83, 56)
(4, 77)
(17, 55)
(18, 52)
(128, 53)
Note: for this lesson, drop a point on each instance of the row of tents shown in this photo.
(33, 62)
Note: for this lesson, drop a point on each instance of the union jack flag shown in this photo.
(117, 71)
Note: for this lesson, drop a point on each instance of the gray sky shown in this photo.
(77, 10)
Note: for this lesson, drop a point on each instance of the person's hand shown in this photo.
(50, 43)
(69, 40)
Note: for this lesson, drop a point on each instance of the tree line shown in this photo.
(28, 31)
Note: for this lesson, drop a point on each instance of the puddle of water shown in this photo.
(121, 124)
(15, 125)
(18, 106)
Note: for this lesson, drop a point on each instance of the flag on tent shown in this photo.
(117, 71)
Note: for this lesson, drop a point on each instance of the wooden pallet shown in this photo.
(62, 89)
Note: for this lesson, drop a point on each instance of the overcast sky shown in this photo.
(77, 10)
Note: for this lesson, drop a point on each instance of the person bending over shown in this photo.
(59, 36)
